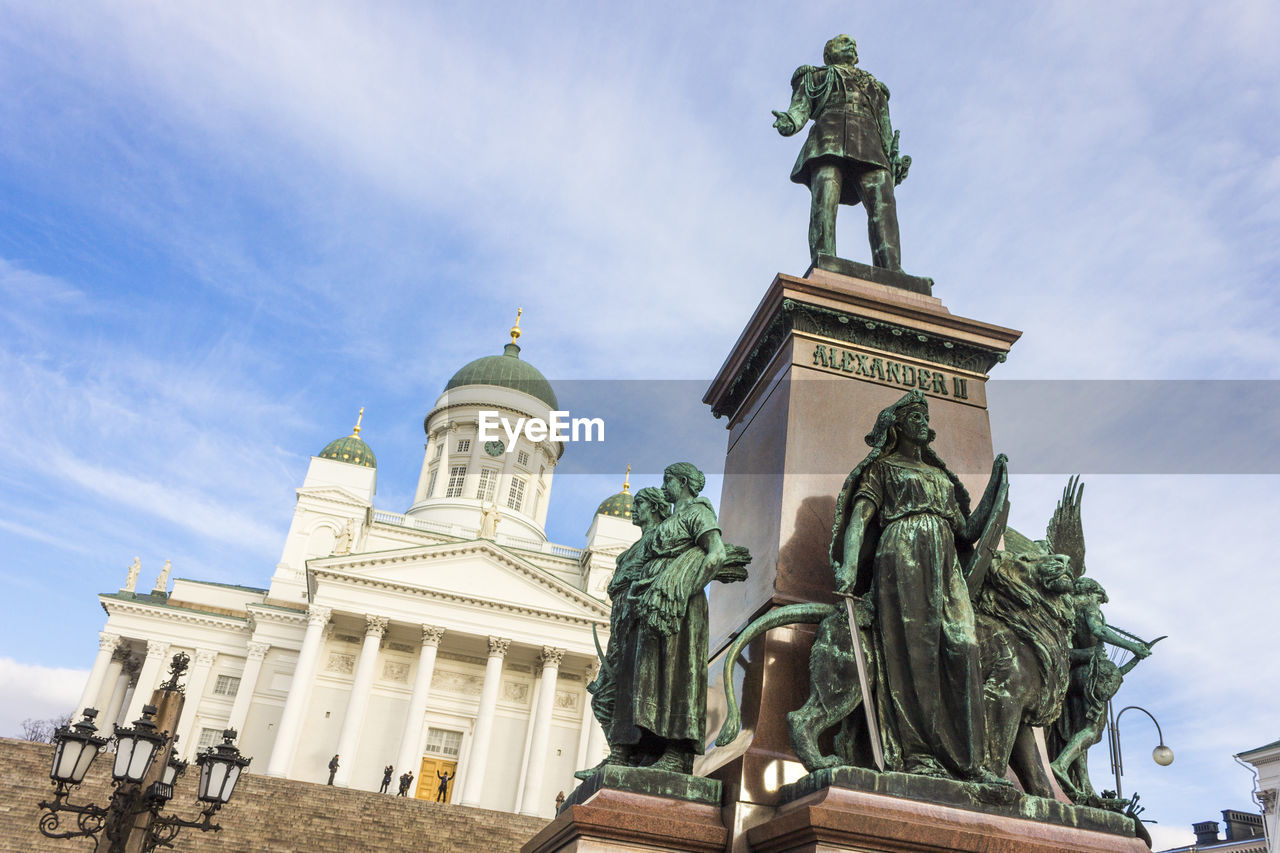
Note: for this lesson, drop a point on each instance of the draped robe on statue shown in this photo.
(661, 678)
(929, 683)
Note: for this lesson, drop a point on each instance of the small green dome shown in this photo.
(350, 449)
(618, 505)
(506, 371)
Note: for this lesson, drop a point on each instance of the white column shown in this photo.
(133, 669)
(295, 705)
(479, 755)
(533, 804)
(528, 737)
(107, 644)
(358, 702)
(108, 689)
(111, 713)
(148, 678)
(410, 755)
(248, 684)
(196, 683)
(591, 734)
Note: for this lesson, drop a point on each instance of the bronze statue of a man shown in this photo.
(851, 154)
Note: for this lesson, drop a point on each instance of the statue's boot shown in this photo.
(618, 756)
(675, 758)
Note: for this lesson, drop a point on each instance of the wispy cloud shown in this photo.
(36, 692)
(228, 228)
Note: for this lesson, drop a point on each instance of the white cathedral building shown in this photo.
(450, 639)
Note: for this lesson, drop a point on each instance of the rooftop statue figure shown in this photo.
(851, 154)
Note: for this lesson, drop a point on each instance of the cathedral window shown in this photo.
(522, 458)
(208, 737)
(515, 498)
(488, 482)
(457, 474)
(226, 685)
(443, 742)
(431, 486)
(440, 448)
(464, 445)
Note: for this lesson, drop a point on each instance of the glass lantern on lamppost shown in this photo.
(220, 769)
(76, 746)
(132, 820)
(136, 746)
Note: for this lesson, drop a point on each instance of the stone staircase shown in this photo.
(266, 815)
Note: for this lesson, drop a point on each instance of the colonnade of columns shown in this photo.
(413, 733)
(119, 685)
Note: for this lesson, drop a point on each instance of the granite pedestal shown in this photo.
(819, 358)
(636, 809)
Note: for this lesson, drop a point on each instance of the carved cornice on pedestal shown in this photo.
(108, 642)
(157, 648)
(375, 626)
(204, 657)
(431, 635)
(552, 656)
(498, 647)
(257, 651)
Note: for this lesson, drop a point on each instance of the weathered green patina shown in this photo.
(851, 154)
(1041, 640)
(647, 508)
(651, 696)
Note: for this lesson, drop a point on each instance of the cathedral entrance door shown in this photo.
(429, 782)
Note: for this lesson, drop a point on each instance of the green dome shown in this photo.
(350, 449)
(506, 371)
(619, 505)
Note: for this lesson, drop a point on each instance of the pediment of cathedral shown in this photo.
(332, 495)
(477, 571)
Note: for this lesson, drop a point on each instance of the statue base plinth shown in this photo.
(892, 278)
(819, 358)
(634, 808)
(838, 818)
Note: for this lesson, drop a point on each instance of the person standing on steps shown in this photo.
(442, 790)
(406, 779)
(386, 779)
(333, 769)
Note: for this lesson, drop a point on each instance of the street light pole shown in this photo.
(1161, 755)
(144, 771)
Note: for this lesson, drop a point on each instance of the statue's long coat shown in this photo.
(850, 112)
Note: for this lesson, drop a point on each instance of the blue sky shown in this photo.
(225, 227)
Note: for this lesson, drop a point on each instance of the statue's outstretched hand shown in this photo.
(784, 123)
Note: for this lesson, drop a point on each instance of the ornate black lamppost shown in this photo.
(1161, 755)
(143, 773)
